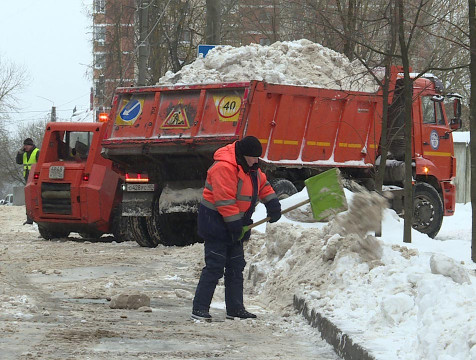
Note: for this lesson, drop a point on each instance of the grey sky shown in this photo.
(51, 40)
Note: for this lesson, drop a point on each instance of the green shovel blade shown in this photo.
(326, 194)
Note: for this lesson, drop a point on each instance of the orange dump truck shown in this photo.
(165, 137)
(73, 188)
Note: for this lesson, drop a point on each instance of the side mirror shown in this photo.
(456, 122)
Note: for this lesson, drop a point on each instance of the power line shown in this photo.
(33, 111)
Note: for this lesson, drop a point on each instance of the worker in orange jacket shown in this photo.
(233, 186)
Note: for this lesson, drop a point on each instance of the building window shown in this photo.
(264, 41)
(99, 60)
(186, 36)
(100, 34)
(263, 17)
(99, 6)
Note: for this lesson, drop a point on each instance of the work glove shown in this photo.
(246, 231)
(275, 216)
(273, 209)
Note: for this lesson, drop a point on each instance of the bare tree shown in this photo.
(12, 80)
(11, 142)
(176, 28)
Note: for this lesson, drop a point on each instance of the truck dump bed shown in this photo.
(297, 125)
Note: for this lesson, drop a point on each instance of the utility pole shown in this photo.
(53, 113)
(144, 27)
(472, 118)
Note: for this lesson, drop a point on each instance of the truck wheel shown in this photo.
(172, 229)
(120, 226)
(178, 229)
(50, 234)
(427, 209)
(153, 226)
(138, 230)
(283, 188)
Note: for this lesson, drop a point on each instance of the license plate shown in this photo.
(140, 187)
(56, 172)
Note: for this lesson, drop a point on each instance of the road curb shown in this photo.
(343, 345)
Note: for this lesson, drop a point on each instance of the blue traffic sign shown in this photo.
(132, 109)
(204, 49)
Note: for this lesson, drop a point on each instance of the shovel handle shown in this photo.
(262, 221)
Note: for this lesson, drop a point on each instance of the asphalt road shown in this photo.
(54, 304)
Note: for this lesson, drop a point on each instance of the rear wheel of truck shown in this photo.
(120, 226)
(172, 229)
(427, 209)
(179, 229)
(50, 234)
(138, 231)
(283, 188)
(153, 227)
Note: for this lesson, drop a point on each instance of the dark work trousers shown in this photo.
(221, 258)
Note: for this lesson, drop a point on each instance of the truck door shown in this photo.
(437, 144)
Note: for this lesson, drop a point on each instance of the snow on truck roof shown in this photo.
(299, 62)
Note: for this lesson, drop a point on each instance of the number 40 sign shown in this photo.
(228, 107)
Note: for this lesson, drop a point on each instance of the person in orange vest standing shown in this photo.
(233, 186)
(27, 156)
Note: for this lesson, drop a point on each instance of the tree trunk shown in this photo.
(407, 94)
(472, 119)
(212, 30)
(385, 94)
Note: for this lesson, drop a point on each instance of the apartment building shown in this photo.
(116, 28)
(113, 49)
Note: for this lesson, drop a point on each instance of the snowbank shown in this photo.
(399, 301)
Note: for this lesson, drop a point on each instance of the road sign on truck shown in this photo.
(303, 130)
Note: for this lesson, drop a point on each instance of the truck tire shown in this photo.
(427, 209)
(152, 224)
(283, 188)
(138, 231)
(120, 226)
(171, 229)
(154, 230)
(178, 229)
(50, 234)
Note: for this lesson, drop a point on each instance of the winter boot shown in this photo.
(240, 314)
(201, 315)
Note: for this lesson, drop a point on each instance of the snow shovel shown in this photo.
(326, 195)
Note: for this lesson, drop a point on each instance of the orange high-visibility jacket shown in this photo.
(228, 189)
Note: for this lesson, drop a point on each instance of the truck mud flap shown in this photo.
(137, 203)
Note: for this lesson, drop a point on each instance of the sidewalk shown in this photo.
(343, 345)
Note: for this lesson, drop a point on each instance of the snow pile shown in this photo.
(394, 300)
(299, 62)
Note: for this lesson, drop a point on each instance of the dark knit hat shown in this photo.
(28, 141)
(250, 146)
